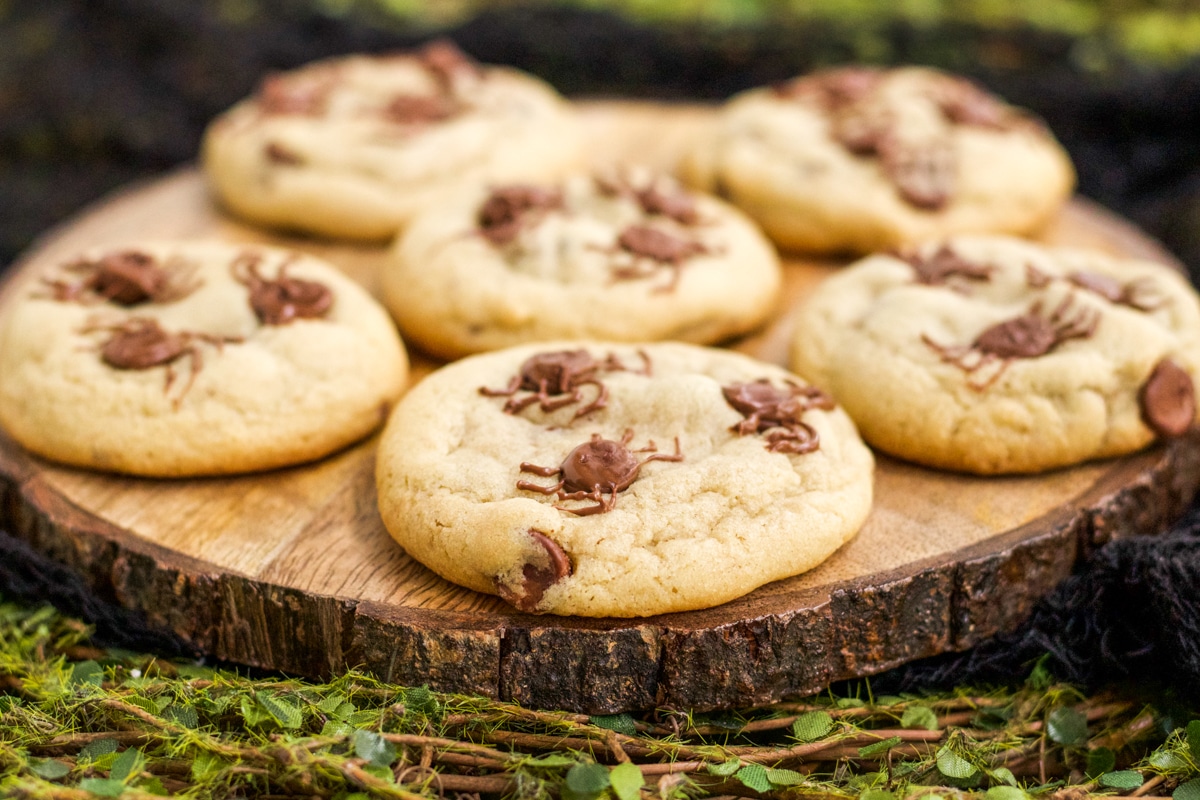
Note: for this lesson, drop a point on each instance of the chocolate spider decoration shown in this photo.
(282, 299)
(555, 380)
(536, 580)
(1138, 294)
(833, 88)
(671, 202)
(777, 412)
(140, 343)
(449, 67)
(661, 248)
(126, 278)
(943, 264)
(509, 209)
(595, 468)
(1029, 335)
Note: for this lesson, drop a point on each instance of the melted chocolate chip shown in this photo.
(833, 89)
(126, 278)
(535, 580)
(447, 63)
(283, 94)
(964, 103)
(925, 175)
(555, 380)
(141, 344)
(280, 300)
(936, 269)
(407, 109)
(508, 209)
(278, 154)
(657, 244)
(1168, 400)
(779, 411)
(677, 205)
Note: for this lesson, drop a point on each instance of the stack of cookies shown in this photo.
(589, 453)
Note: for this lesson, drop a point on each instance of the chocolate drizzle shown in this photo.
(141, 343)
(1030, 335)
(555, 381)
(593, 469)
(1168, 400)
(450, 68)
(282, 299)
(510, 209)
(661, 247)
(126, 278)
(1138, 294)
(654, 196)
(535, 580)
(777, 412)
(937, 268)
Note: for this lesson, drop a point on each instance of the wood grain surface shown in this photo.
(293, 570)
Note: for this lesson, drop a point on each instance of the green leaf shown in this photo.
(333, 728)
(1100, 761)
(1193, 739)
(626, 781)
(206, 766)
(87, 672)
(1123, 780)
(1169, 762)
(103, 787)
(621, 723)
(345, 711)
(586, 781)
(383, 773)
(360, 719)
(1004, 775)
(182, 715)
(1006, 793)
(888, 700)
(374, 749)
(48, 768)
(850, 702)
(878, 748)
(877, 794)
(551, 760)
(1188, 791)
(784, 777)
(725, 768)
(1040, 677)
(330, 704)
(952, 765)
(144, 703)
(421, 700)
(253, 714)
(154, 786)
(812, 726)
(919, 717)
(128, 765)
(195, 672)
(284, 712)
(99, 747)
(1067, 726)
(754, 776)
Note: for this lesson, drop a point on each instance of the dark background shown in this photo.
(96, 93)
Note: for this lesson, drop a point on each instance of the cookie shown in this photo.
(993, 355)
(859, 159)
(619, 480)
(352, 147)
(191, 358)
(622, 256)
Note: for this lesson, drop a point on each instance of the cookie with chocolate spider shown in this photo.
(860, 159)
(608, 479)
(992, 355)
(625, 255)
(352, 147)
(177, 359)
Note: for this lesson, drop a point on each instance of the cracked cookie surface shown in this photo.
(626, 256)
(995, 355)
(353, 147)
(664, 497)
(189, 358)
(859, 159)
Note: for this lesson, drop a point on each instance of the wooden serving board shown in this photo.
(293, 569)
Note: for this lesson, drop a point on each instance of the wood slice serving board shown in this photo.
(293, 569)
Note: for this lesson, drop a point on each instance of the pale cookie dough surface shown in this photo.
(895, 351)
(860, 160)
(257, 396)
(336, 148)
(730, 516)
(564, 273)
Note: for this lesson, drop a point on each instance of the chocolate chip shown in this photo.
(280, 300)
(278, 154)
(1168, 400)
(508, 209)
(142, 344)
(925, 174)
(535, 580)
(408, 109)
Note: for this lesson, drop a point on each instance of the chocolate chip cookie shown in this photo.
(995, 355)
(354, 146)
(860, 159)
(626, 255)
(620, 480)
(177, 359)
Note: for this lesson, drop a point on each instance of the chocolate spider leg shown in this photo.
(516, 405)
(547, 404)
(598, 402)
(507, 391)
(989, 358)
(535, 469)
(530, 486)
